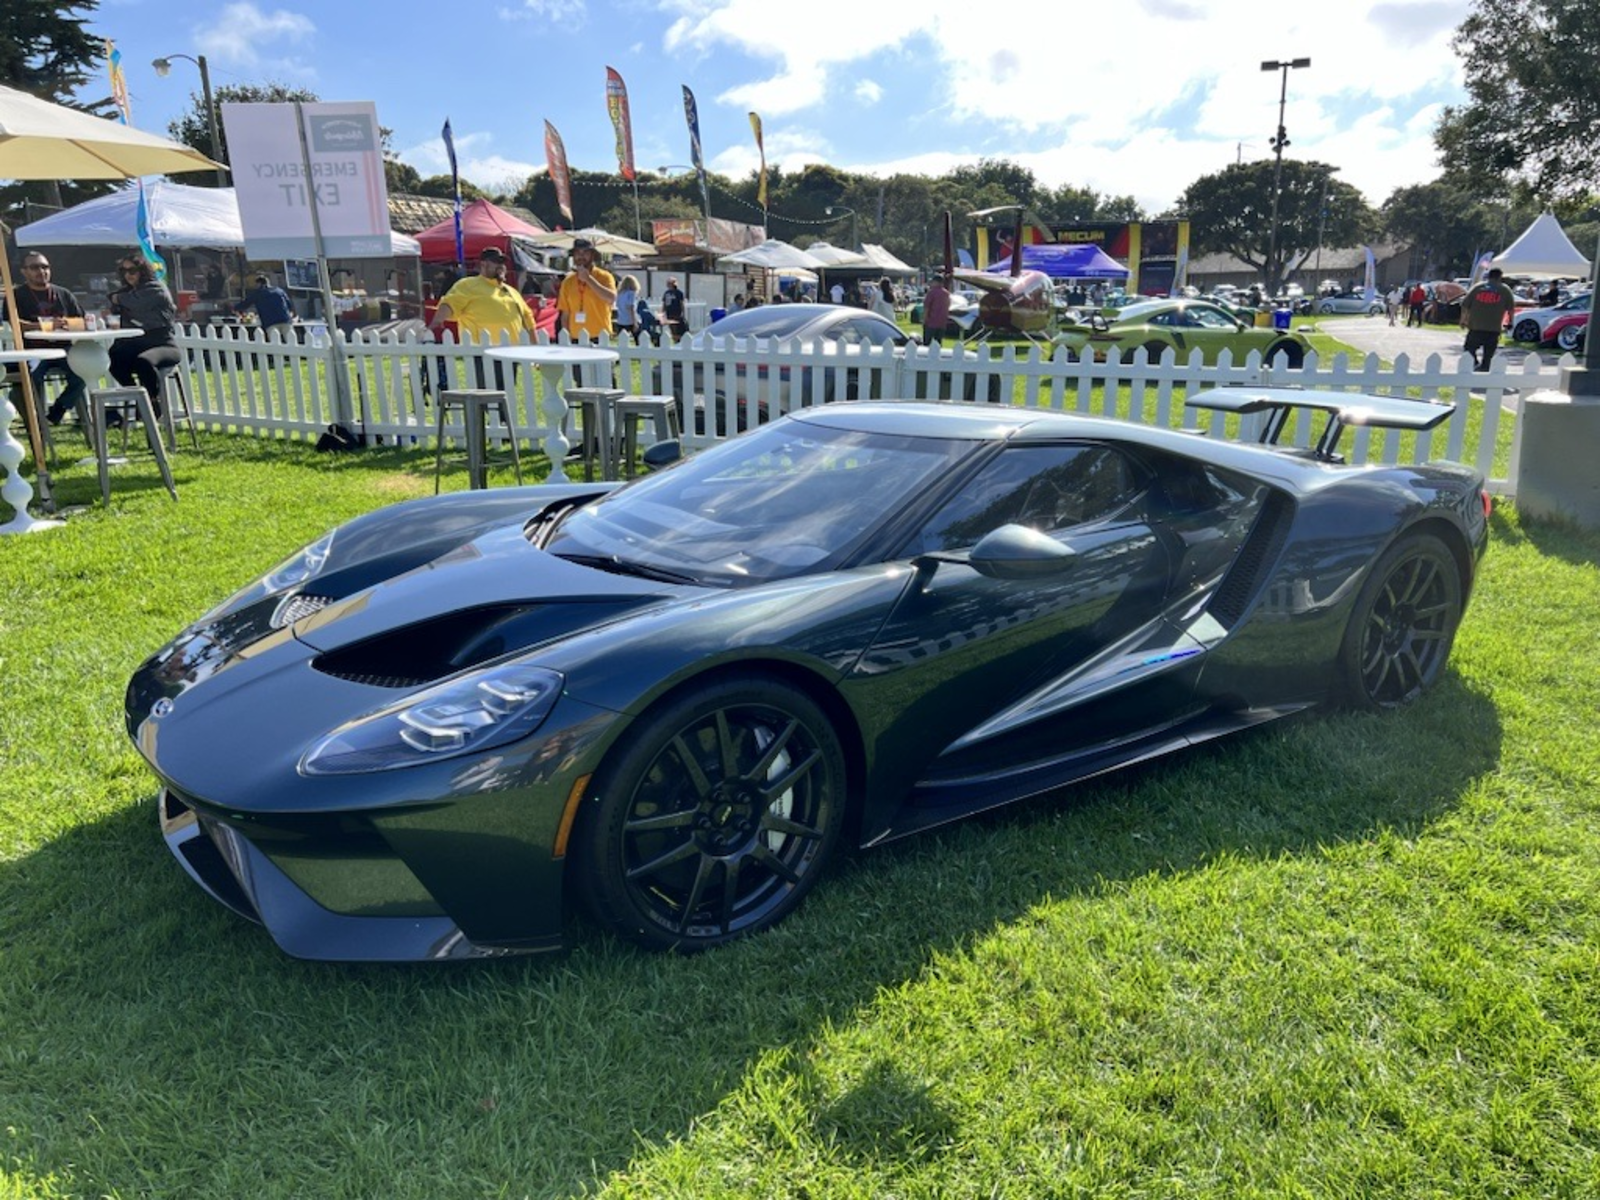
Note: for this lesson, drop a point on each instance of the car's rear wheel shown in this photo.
(1293, 353)
(1153, 350)
(1403, 624)
(714, 818)
(1526, 330)
(1569, 337)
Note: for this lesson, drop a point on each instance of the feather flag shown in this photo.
(147, 246)
(761, 187)
(119, 82)
(691, 114)
(617, 106)
(1369, 285)
(555, 157)
(455, 188)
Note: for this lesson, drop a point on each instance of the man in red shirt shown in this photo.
(1415, 299)
(935, 312)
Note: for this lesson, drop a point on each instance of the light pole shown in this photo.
(1278, 143)
(163, 67)
(841, 209)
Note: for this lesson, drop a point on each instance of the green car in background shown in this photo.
(1182, 324)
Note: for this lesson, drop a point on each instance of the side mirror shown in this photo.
(662, 454)
(1017, 552)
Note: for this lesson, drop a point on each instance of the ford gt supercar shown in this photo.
(674, 700)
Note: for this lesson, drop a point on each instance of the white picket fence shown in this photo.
(242, 382)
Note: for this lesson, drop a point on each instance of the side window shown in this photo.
(1048, 488)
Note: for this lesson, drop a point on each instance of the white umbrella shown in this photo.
(774, 255)
(605, 243)
(837, 256)
(40, 140)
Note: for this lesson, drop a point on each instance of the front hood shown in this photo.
(498, 570)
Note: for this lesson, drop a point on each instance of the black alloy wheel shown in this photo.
(714, 819)
(1293, 354)
(1403, 624)
(1526, 330)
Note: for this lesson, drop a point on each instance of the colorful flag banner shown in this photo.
(761, 187)
(455, 188)
(555, 157)
(119, 82)
(617, 106)
(147, 247)
(691, 114)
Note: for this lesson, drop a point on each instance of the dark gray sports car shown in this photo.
(674, 699)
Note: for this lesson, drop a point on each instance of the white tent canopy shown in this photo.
(180, 217)
(1543, 249)
(774, 255)
(883, 261)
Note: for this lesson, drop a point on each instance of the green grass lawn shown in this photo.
(1344, 956)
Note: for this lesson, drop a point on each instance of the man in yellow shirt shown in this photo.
(587, 294)
(487, 307)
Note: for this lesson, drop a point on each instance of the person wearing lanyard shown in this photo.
(487, 307)
(587, 295)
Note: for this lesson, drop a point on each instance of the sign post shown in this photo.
(310, 183)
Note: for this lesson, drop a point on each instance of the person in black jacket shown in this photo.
(144, 304)
(39, 298)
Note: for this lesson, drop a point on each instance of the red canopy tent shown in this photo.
(482, 224)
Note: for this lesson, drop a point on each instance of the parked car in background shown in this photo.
(744, 380)
(1184, 325)
(1567, 331)
(1529, 325)
(1350, 302)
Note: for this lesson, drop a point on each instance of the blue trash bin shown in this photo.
(717, 314)
(1280, 318)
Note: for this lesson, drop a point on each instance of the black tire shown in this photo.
(1293, 352)
(713, 818)
(1526, 330)
(1403, 624)
(1153, 351)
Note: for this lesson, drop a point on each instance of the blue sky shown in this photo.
(1139, 98)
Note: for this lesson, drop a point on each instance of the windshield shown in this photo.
(787, 499)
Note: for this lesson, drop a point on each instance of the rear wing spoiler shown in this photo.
(1343, 408)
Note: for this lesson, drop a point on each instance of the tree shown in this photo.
(400, 178)
(193, 128)
(46, 52)
(1231, 212)
(1447, 222)
(441, 187)
(1533, 92)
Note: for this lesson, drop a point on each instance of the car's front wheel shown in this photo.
(714, 817)
(1403, 624)
(1526, 330)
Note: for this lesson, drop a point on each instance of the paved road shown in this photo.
(1374, 335)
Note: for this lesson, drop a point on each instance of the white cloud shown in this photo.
(476, 158)
(567, 14)
(1143, 108)
(243, 35)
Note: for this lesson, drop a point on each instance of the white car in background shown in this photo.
(1530, 323)
(1350, 302)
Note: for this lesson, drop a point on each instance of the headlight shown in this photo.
(468, 714)
(291, 572)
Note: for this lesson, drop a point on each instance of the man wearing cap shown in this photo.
(485, 305)
(271, 305)
(583, 305)
(1484, 311)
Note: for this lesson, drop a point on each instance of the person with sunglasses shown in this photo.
(39, 298)
(144, 303)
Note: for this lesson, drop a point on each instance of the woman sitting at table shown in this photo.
(144, 303)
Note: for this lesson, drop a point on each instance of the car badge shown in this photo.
(161, 708)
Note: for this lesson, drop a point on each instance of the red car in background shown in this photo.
(1566, 332)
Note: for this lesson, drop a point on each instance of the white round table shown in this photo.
(15, 490)
(553, 362)
(88, 350)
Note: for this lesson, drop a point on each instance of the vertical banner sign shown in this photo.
(691, 114)
(761, 187)
(455, 187)
(342, 175)
(555, 157)
(119, 82)
(617, 106)
(1369, 284)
